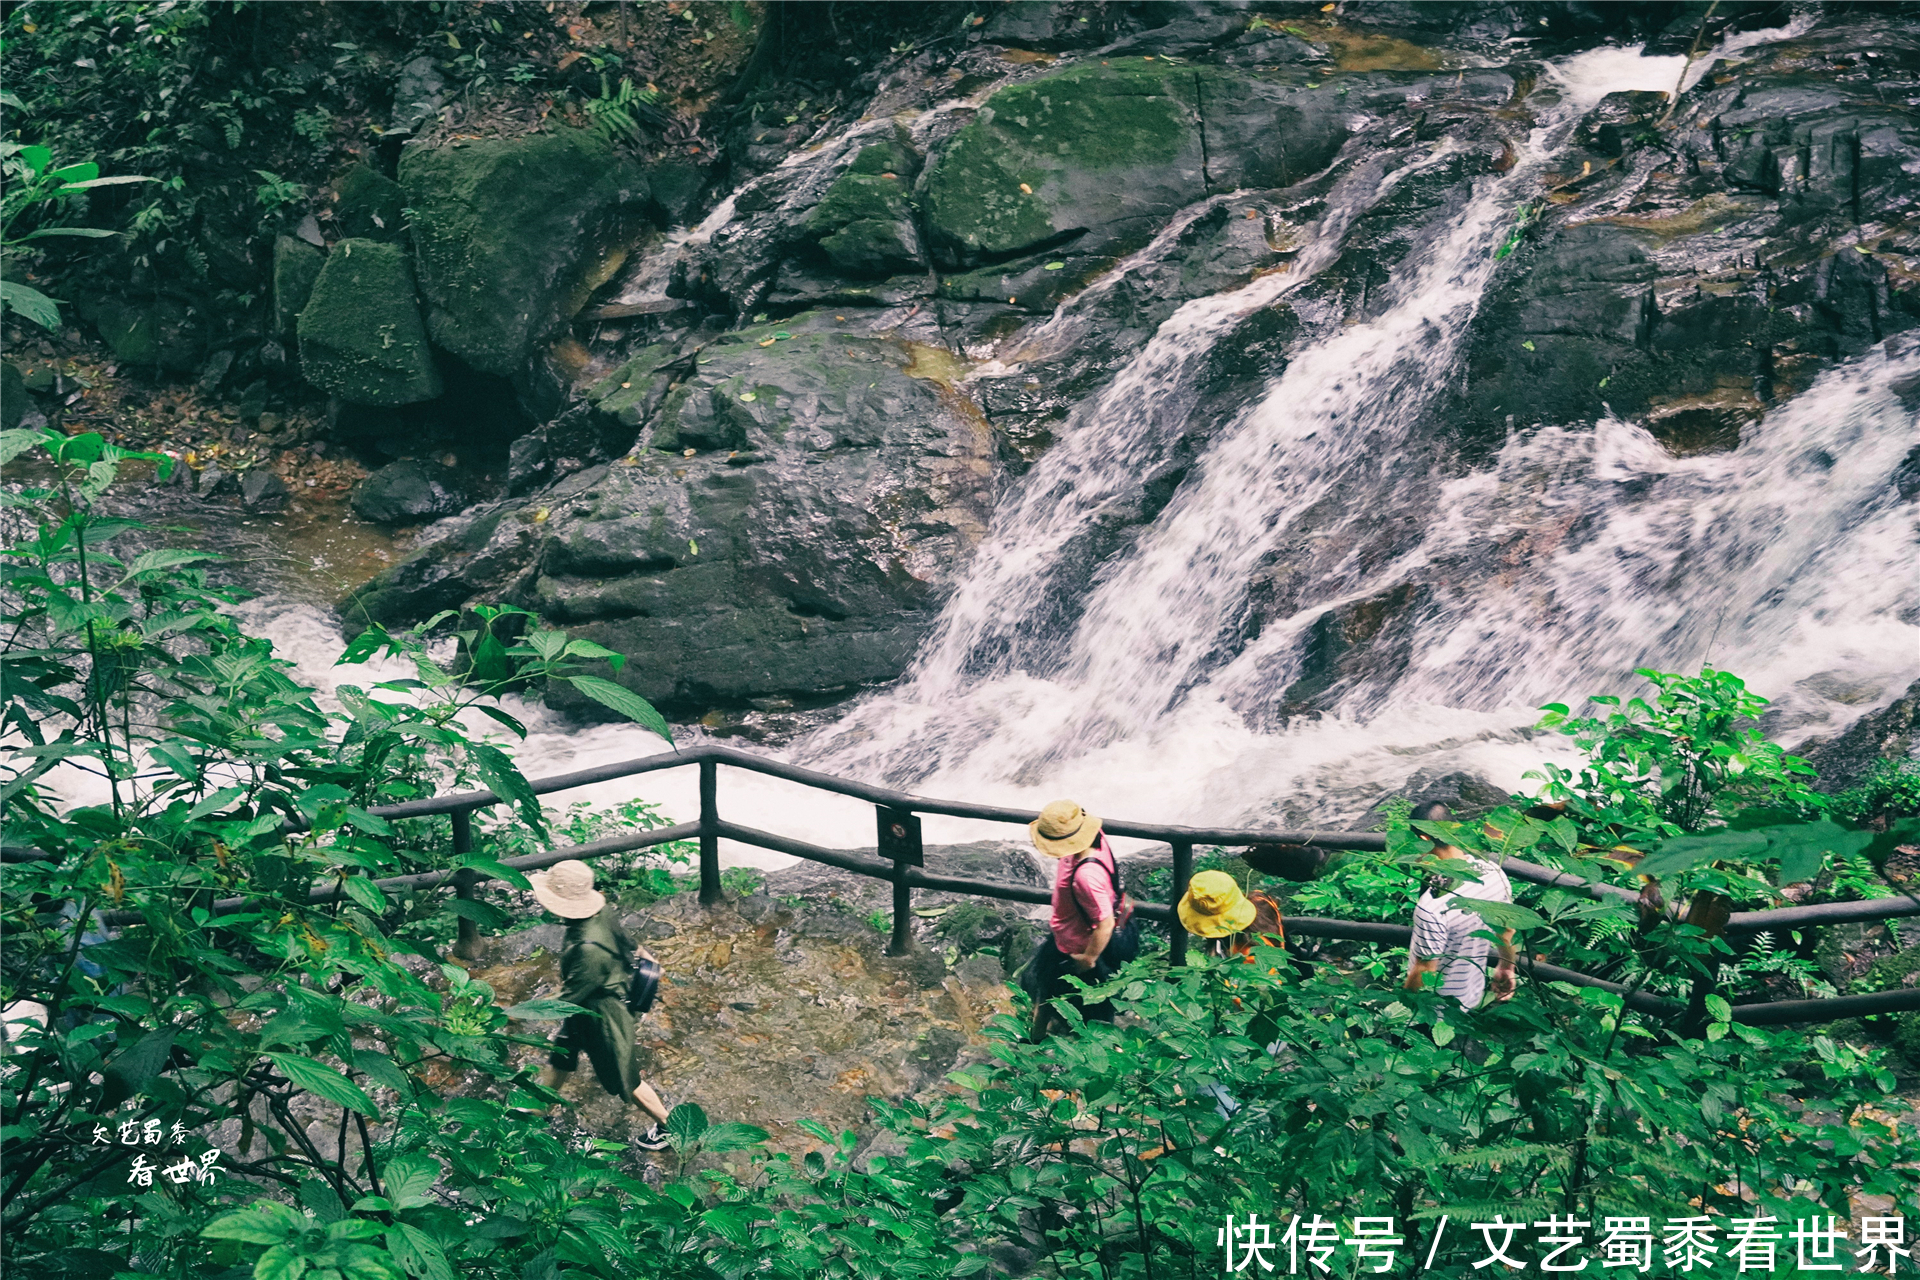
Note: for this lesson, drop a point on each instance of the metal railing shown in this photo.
(1291, 854)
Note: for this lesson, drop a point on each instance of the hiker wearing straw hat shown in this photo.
(596, 961)
(1091, 927)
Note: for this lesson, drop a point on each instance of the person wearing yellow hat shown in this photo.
(1229, 922)
(1092, 929)
(1214, 906)
(596, 962)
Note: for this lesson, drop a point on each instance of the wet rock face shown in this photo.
(361, 336)
(793, 504)
(407, 492)
(782, 513)
(1703, 270)
(510, 235)
(1098, 156)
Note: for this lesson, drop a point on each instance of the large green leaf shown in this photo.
(685, 1123)
(408, 1178)
(733, 1136)
(1501, 915)
(542, 1009)
(323, 1081)
(1803, 849)
(1683, 853)
(27, 301)
(419, 1253)
(264, 1222)
(625, 701)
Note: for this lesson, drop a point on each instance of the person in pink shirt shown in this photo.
(1091, 910)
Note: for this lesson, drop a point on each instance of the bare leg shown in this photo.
(552, 1077)
(650, 1102)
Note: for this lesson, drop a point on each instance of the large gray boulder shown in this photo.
(511, 235)
(783, 527)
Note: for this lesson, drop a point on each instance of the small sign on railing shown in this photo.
(900, 836)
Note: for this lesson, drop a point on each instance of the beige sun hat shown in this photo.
(1063, 828)
(1214, 906)
(567, 890)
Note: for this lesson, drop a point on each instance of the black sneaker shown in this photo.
(654, 1139)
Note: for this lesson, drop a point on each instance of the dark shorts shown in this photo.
(608, 1042)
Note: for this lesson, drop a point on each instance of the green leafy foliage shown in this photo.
(38, 197)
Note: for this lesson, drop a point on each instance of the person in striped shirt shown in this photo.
(1444, 932)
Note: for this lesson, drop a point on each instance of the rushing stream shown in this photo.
(1142, 682)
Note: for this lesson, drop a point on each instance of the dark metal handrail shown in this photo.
(905, 876)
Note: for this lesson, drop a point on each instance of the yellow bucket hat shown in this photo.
(1063, 828)
(1214, 906)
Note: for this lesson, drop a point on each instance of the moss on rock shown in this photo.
(508, 232)
(369, 206)
(1103, 154)
(296, 265)
(361, 336)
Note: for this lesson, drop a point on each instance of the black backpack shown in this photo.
(643, 979)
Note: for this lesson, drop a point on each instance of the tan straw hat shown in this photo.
(1063, 828)
(1214, 906)
(567, 890)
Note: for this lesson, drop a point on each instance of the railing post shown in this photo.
(1182, 874)
(709, 833)
(899, 839)
(902, 941)
(467, 944)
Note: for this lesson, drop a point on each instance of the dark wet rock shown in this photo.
(368, 205)
(214, 481)
(1096, 156)
(511, 234)
(418, 95)
(166, 333)
(407, 492)
(263, 493)
(677, 187)
(782, 526)
(361, 335)
(13, 396)
(1044, 25)
(527, 463)
(1892, 733)
(863, 224)
(296, 265)
(214, 371)
(1906, 478)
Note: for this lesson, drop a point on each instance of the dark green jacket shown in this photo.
(595, 962)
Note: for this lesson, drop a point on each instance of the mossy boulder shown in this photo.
(369, 205)
(511, 235)
(864, 224)
(164, 334)
(361, 335)
(1101, 156)
(296, 265)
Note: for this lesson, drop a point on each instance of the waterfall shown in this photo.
(1135, 685)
